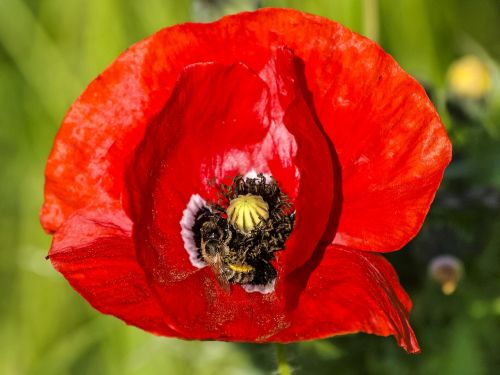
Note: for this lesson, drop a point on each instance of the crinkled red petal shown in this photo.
(211, 128)
(224, 121)
(351, 291)
(198, 308)
(95, 252)
(390, 143)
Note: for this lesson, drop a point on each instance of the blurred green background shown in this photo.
(51, 49)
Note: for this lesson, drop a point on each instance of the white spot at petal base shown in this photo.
(195, 204)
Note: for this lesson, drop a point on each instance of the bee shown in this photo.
(229, 266)
(239, 234)
(214, 245)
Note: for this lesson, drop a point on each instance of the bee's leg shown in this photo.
(229, 234)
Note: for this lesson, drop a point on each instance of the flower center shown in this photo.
(238, 235)
(247, 211)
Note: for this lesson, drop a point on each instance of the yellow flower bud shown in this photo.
(469, 77)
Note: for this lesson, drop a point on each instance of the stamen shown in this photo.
(238, 234)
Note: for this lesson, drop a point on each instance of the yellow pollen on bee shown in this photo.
(244, 268)
(247, 211)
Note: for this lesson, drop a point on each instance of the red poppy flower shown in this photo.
(237, 180)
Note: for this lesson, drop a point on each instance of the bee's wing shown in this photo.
(215, 264)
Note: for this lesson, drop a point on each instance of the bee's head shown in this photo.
(214, 248)
(210, 230)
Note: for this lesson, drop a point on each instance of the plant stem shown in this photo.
(371, 19)
(284, 367)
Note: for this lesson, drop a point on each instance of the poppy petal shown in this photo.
(392, 148)
(95, 253)
(199, 309)
(351, 291)
(224, 121)
(102, 127)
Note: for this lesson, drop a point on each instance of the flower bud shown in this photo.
(447, 270)
(469, 78)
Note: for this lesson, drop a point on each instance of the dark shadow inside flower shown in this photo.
(336, 206)
(297, 280)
